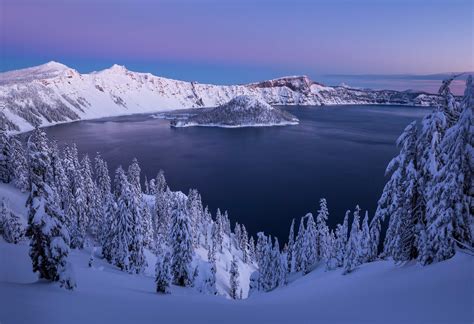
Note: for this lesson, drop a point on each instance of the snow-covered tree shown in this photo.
(10, 224)
(352, 256)
(252, 252)
(127, 243)
(49, 245)
(182, 245)
(234, 279)
(310, 249)
(19, 165)
(341, 236)
(163, 274)
(375, 227)
(365, 243)
(452, 205)
(5, 157)
(291, 262)
(300, 257)
(322, 228)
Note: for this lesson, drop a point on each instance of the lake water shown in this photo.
(264, 177)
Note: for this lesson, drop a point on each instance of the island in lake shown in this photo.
(242, 111)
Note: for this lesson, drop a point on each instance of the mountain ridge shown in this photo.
(54, 93)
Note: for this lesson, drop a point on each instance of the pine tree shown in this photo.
(194, 210)
(310, 249)
(49, 245)
(329, 254)
(10, 224)
(92, 204)
(244, 245)
(182, 247)
(163, 274)
(300, 257)
(127, 243)
(234, 279)
(219, 235)
(342, 232)
(5, 157)
(19, 165)
(252, 252)
(75, 212)
(262, 241)
(352, 256)
(374, 238)
(365, 243)
(453, 194)
(291, 262)
(322, 228)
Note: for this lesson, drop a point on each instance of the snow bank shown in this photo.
(377, 292)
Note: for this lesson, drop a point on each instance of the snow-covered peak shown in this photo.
(43, 71)
(115, 69)
(246, 102)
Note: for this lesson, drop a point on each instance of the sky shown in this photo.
(237, 41)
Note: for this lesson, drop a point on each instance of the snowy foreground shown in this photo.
(380, 292)
(377, 292)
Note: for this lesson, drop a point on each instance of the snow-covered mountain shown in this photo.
(242, 111)
(53, 93)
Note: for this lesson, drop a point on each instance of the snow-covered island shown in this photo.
(242, 111)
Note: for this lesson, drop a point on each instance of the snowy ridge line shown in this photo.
(53, 93)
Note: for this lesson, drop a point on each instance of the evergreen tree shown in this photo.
(234, 279)
(76, 216)
(322, 228)
(19, 165)
(329, 253)
(310, 249)
(49, 245)
(219, 235)
(291, 262)
(252, 252)
(244, 242)
(260, 248)
(365, 243)
(163, 274)
(181, 243)
(341, 237)
(374, 238)
(5, 157)
(300, 257)
(352, 256)
(453, 193)
(10, 225)
(92, 204)
(128, 242)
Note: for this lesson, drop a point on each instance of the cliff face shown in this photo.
(54, 93)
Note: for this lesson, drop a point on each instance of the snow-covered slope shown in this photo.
(378, 292)
(16, 201)
(54, 93)
(242, 111)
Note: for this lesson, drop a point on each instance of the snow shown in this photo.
(375, 292)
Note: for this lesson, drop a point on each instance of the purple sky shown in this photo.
(226, 40)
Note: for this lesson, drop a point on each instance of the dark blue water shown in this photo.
(264, 177)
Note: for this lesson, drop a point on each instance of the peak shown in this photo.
(54, 65)
(246, 101)
(117, 68)
(44, 71)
